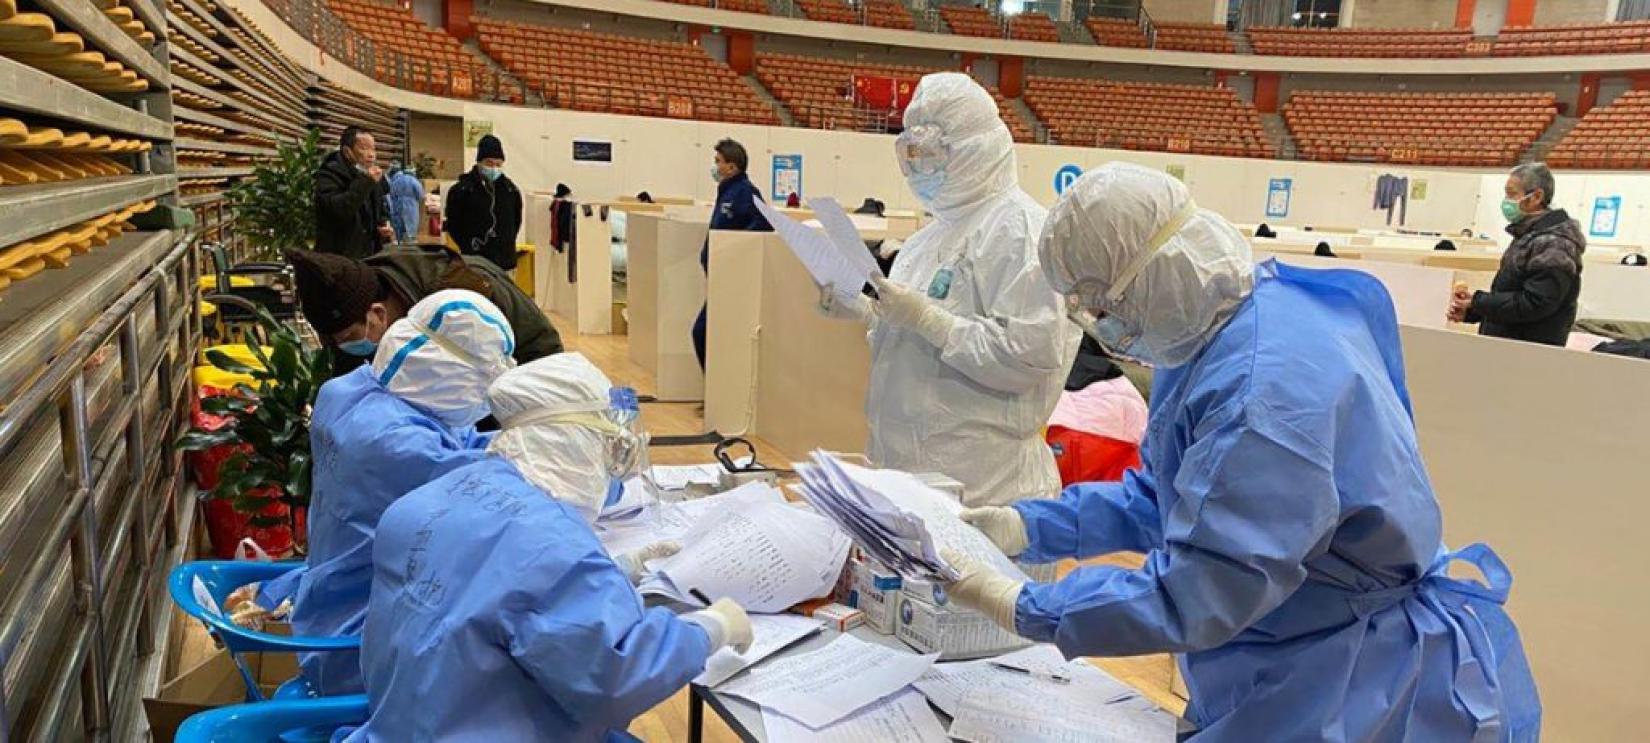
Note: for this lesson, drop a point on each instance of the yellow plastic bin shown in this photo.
(238, 352)
(524, 267)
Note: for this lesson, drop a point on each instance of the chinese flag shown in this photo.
(883, 93)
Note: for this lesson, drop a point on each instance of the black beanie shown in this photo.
(333, 291)
(489, 146)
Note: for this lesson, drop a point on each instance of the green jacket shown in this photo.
(417, 272)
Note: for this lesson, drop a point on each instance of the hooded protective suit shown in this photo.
(495, 613)
(1293, 541)
(967, 391)
(376, 434)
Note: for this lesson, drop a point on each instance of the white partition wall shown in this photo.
(1538, 452)
(666, 290)
(735, 293)
(583, 293)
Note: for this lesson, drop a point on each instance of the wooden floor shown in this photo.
(667, 723)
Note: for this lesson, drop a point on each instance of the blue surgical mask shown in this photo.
(615, 492)
(927, 186)
(491, 173)
(361, 347)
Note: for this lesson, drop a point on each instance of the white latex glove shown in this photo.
(984, 590)
(634, 563)
(831, 305)
(1002, 524)
(726, 623)
(908, 308)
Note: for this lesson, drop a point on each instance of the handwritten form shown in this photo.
(671, 520)
(903, 718)
(768, 557)
(821, 687)
(836, 257)
(773, 632)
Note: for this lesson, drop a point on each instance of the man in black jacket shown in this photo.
(351, 218)
(350, 303)
(484, 208)
(1534, 295)
(734, 210)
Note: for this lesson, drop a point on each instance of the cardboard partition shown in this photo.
(1420, 295)
(631, 201)
(734, 295)
(667, 288)
(588, 301)
(1537, 451)
(1615, 292)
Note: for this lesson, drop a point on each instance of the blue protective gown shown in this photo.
(497, 616)
(370, 447)
(1294, 549)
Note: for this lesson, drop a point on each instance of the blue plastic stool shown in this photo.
(291, 721)
(219, 578)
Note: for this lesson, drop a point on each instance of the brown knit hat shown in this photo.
(333, 291)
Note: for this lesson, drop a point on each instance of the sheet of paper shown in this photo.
(1042, 713)
(677, 477)
(773, 632)
(828, 263)
(672, 520)
(903, 718)
(828, 684)
(947, 683)
(843, 233)
(767, 556)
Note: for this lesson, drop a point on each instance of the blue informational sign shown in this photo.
(1277, 197)
(1064, 176)
(787, 177)
(1606, 216)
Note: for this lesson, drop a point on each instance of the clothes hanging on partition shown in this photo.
(1390, 190)
(561, 232)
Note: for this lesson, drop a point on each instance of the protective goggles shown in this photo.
(1119, 339)
(618, 425)
(921, 150)
(427, 335)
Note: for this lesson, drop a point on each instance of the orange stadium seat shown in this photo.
(829, 11)
(1147, 116)
(1117, 32)
(1032, 26)
(1616, 136)
(1625, 37)
(965, 21)
(818, 92)
(429, 59)
(1465, 129)
(1195, 37)
(1359, 42)
(888, 14)
(743, 6)
(591, 71)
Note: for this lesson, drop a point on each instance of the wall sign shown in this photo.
(475, 130)
(1277, 197)
(787, 177)
(1418, 189)
(1064, 177)
(1177, 172)
(1606, 216)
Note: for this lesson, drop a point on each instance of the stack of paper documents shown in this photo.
(662, 520)
(767, 556)
(836, 257)
(896, 519)
(772, 633)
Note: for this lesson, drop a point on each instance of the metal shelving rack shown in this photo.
(258, 100)
(94, 363)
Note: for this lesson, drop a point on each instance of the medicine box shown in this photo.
(873, 590)
(929, 623)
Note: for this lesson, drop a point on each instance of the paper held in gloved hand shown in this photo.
(767, 556)
(836, 257)
(898, 521)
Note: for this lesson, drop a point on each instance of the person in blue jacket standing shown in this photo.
(406, 197)
(1294, 546)
(734, 210)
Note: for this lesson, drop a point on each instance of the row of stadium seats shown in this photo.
(1485, 129)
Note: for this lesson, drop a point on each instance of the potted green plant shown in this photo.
(274, 208)
(268, 475)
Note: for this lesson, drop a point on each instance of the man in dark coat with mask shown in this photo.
(351, 216)
(1536, 290)
(484, 208)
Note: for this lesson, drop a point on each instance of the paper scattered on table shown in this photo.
(828, 684)
(899, 521)
(636, 496)
(903, 718)
(671, 520)
(946, 683)
(1054, 713)
(773, 632)
(832, 257)
(766, 556)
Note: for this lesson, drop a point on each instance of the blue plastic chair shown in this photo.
(291, 721)
(222, 577)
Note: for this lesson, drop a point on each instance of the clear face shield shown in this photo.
(921, 151)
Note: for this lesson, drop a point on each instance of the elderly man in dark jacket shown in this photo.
(350, 303)
(1534, 295)
(351, 215)
(484, 208)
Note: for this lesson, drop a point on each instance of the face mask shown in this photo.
(1116, 337)
(926, 187)
(1510, 210)
(715, 174)
(491, 173)
(361, 347)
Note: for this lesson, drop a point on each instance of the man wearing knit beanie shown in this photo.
(484, 208)
(350, 303)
